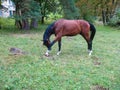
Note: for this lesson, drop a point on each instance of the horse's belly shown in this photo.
(70, 34)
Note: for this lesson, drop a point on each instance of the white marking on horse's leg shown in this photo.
(90, 52)
(47, 53)
(58, 53)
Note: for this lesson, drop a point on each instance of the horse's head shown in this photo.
(46, 43)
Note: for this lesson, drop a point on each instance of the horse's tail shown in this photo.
(93, 31)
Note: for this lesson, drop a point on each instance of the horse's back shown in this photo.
(67, 27)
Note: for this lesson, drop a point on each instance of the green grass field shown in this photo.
(72, 70)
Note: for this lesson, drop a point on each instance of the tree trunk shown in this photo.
(0, 26)
(104, 17)
(43, 11)
(25, 24)
(107, 16)
(34, 23)
(18, 24)
(42, 20)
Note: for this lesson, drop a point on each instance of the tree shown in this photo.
(103, 8)
(115, 20)
(43, 4)
(0, 17)
(0, 2)
(25, 12)
(48, 6)
(107, 9)
(69, 8)
(86, 9)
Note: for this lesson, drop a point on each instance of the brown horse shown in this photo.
(65, 27)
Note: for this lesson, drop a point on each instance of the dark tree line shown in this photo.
(105, 9)
(25, 15)
(29, 12)
(70, 10)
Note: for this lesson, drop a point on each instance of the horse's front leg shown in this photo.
(59, 47)
(47, 53)
(49, 48)
(52, 43)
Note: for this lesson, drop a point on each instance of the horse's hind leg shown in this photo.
(90, 47)
(59, 47)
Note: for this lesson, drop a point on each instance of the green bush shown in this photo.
(55, 16)
(0, 22)
(89, 18)
(6, 22)
(115, 20)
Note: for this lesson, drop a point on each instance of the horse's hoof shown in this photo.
(47, 55)
(58, 53)
(90, 52)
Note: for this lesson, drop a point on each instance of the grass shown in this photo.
(72, 70)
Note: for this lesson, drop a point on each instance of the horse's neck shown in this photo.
(47, 34)
(49, 31)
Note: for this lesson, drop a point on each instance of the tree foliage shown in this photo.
(0, 17)
(28, 12)
(104, 8)
(34, 10)
(86, 9)
(25, 12)
(0, 2)
(70, 10)
(115, 20)
(48, 6)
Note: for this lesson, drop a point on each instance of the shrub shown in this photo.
(55, 16)
(89, 18)
(115, 20)
(6, 22)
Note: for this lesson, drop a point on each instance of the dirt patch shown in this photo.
(96, 60)
(97, 87)
(17, 51)
(50, 57)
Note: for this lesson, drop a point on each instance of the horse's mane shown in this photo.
(49, 31)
